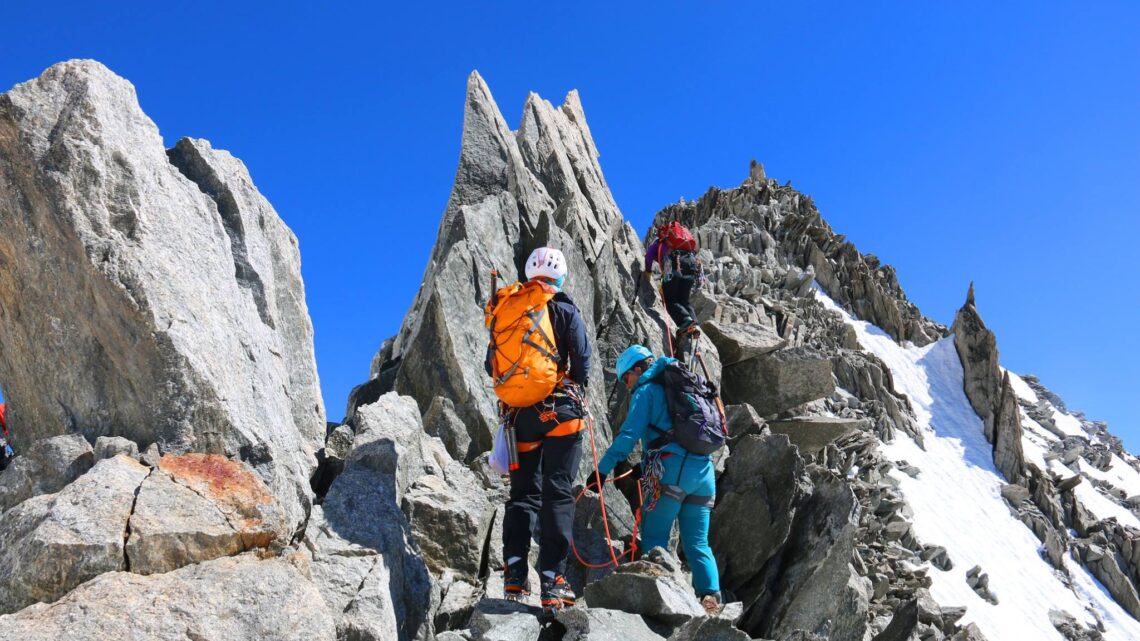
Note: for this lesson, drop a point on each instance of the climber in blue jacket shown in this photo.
(677, 484)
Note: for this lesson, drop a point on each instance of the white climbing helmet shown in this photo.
(548, 262)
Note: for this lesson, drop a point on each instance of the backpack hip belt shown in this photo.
(565, 428)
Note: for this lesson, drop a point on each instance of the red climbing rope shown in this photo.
(615, 559)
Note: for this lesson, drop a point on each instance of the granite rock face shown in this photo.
(988, 390)
(47, 467)
(164, 280)
(977, 349)
(198, 507)
(54, 542)
(232, 599)
(779, 381)
(514, 191)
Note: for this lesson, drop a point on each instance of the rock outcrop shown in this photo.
(232, 599)
(514, 191)
(197, 537)
(45, 468)
(790, 246)
(977, 349)
(54, 542)
(164, 280)
(988, 390)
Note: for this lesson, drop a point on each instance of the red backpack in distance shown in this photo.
(676, 236)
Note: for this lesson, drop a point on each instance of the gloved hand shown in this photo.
(596, 481)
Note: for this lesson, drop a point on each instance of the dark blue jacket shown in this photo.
(574, 352)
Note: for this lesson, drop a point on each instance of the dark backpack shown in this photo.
(698, 425)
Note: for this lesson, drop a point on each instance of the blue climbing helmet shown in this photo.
(633, 355)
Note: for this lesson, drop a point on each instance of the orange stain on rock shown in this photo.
(237, 491)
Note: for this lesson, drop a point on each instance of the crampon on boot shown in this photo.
(556, 595)
(514, 581)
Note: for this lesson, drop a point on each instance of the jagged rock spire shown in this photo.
(513, 191)
(988, 388)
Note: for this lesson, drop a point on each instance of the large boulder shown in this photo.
(51, 543)
(450, 518)
(108, 446)
(500, 620)
(442, 421)
(355, 583)
(779, 381)
(762, 485)
(198, 507)
(390, 440)
(741, 341)
(47, 467)
(165, 281)
(400, 508)
(364, 559)
(597, 624)
(231, 599)
(647, 590)
(817, 587)
(742, 420)
(813, 433)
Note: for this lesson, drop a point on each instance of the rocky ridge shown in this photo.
(185, 529)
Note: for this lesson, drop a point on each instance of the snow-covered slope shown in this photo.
(957, 502)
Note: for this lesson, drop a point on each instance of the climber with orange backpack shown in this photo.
(675, 252)
(539, 360)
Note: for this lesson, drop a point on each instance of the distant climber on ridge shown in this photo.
(678, 475)
(6, 452)
(539, 358)
(675, 251)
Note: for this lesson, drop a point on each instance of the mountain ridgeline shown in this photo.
(884, 477)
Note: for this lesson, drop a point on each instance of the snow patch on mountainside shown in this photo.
(957, 503)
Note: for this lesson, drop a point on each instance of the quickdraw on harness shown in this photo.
(652, 470)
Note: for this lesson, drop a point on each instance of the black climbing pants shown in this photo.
(542, 487)
(676, 291)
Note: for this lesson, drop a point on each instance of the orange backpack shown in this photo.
(524, 360)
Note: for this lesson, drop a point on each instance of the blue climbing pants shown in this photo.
(688, 487)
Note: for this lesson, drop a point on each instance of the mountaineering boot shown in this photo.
(711, 603)
(556, 594)
(514, 581)
(690, 330)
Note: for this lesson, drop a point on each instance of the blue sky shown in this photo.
(993, 142)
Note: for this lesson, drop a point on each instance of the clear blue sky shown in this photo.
(994, 142)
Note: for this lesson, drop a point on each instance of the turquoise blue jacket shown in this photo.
(647, 407)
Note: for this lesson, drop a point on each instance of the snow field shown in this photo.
(957, 503)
